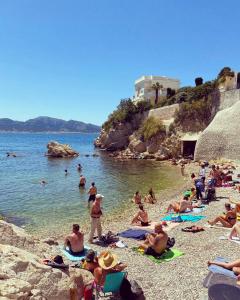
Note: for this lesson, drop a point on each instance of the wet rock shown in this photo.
(58, 150)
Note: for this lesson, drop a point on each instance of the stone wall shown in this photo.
(164, 113)
(228, 98)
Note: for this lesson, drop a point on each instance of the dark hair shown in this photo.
(150, 192)
(58, 259)
(65, 170)
(192, 189)
(76, 227)
(193, 175)
(90, 256)
(213, 166)
(185, 197)
(228, 205)
(137, 192)
(140, 206)
(93, 183)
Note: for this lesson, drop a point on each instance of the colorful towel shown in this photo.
(137, 234)
(221, 270)
(170, 226)
(74, 257)
(165, 257)
(185, 218)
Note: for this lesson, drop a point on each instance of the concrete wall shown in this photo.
(228, 98)
(164, 113)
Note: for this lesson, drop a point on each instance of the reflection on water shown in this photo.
(60, 201)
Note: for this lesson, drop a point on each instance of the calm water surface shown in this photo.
(60, 203)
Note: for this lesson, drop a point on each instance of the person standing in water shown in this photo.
(92, 193)
(79, 167)
(66, 172)
(82, 181)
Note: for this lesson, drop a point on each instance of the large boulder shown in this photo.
(221, 138)
(58, 150)
(137, 146)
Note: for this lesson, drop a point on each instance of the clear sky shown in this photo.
(75, 59)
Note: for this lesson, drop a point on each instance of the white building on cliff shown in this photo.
(145, 91)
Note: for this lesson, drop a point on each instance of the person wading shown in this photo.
(96, 213)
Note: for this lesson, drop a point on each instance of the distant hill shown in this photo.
(47, 124)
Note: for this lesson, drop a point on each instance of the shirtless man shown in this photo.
(181, 206)
(155, 243)
(75, 241)
(82, 181)
(96, 213)
(141, 217)
(228, 219)
(92, 193)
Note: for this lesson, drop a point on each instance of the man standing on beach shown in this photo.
(96, 213)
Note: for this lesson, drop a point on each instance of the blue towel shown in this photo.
(221, 270)
(137, 234)
(185, 218)
(74, 257)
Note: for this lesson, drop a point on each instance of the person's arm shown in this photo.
(66, 241)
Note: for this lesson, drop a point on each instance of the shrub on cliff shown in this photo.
(151, 127)
(125, 112)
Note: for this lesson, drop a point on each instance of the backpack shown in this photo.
(130, 290)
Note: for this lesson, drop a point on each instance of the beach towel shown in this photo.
(137, 234)
(165, 257)
(234, 239)
(221, 270)
(74, 257)
(214, 278)
(167, 228)
(185, 218)
(196, 210)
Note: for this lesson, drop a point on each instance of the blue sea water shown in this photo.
(60, 202)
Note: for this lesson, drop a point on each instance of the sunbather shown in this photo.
(75, 241)
(108, 263)
(235, 232)
(91, 261)
(150, 198)
(137, 198)
(181, 206)
(155, 243)
(141, 217)
(228, 219)
(234, 266)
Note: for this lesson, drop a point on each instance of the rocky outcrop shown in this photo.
(23, 276)
(58, 150)
(221, 138)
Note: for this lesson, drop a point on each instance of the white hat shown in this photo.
(98, 196)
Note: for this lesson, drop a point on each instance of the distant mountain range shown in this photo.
(47, 124)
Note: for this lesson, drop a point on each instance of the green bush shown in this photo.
(151, 127)
(125, 112)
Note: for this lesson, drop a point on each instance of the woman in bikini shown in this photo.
(141, 217)
(137, 198)
(228, 219)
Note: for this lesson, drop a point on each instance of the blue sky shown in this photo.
(75, 59)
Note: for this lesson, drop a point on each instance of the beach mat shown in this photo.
(165, 257)
(215, 278)
(170, 226)
(71, 257)
(221, 270)
(197, 210)
(185, 218)
(137, 234)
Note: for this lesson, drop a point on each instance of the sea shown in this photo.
(58, 204)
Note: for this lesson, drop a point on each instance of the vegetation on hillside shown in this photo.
(151, 127)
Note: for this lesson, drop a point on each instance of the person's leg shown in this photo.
(235, 232)
(99, 228)
(93, 228)
(197, 193)
(229, 266)
(222, 221)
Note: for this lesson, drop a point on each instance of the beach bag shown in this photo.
(130, 290)
(109, 238)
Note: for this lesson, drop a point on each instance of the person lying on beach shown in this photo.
(228, 219)
(108, 263)
(91, 261)
(233, 266)
(150, 198)
(155, 243)
(137, 198)
(141, 217)
(82, 181)
(181, 206)
(75, 241)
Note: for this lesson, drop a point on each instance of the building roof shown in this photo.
(191, 136)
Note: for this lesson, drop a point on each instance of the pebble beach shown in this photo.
(182, 277)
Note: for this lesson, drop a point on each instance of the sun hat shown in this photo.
(107, 260)
(98, 196)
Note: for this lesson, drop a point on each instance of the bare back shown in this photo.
(76, 241)
(160, 242)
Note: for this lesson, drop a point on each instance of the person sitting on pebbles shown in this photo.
(137, 198)
(141, 218)
(75, 241)
(91, 261)
(233, 266)
(181, 206)
(156, 242)
(150, 198)
(228, 219)
(108, 263)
